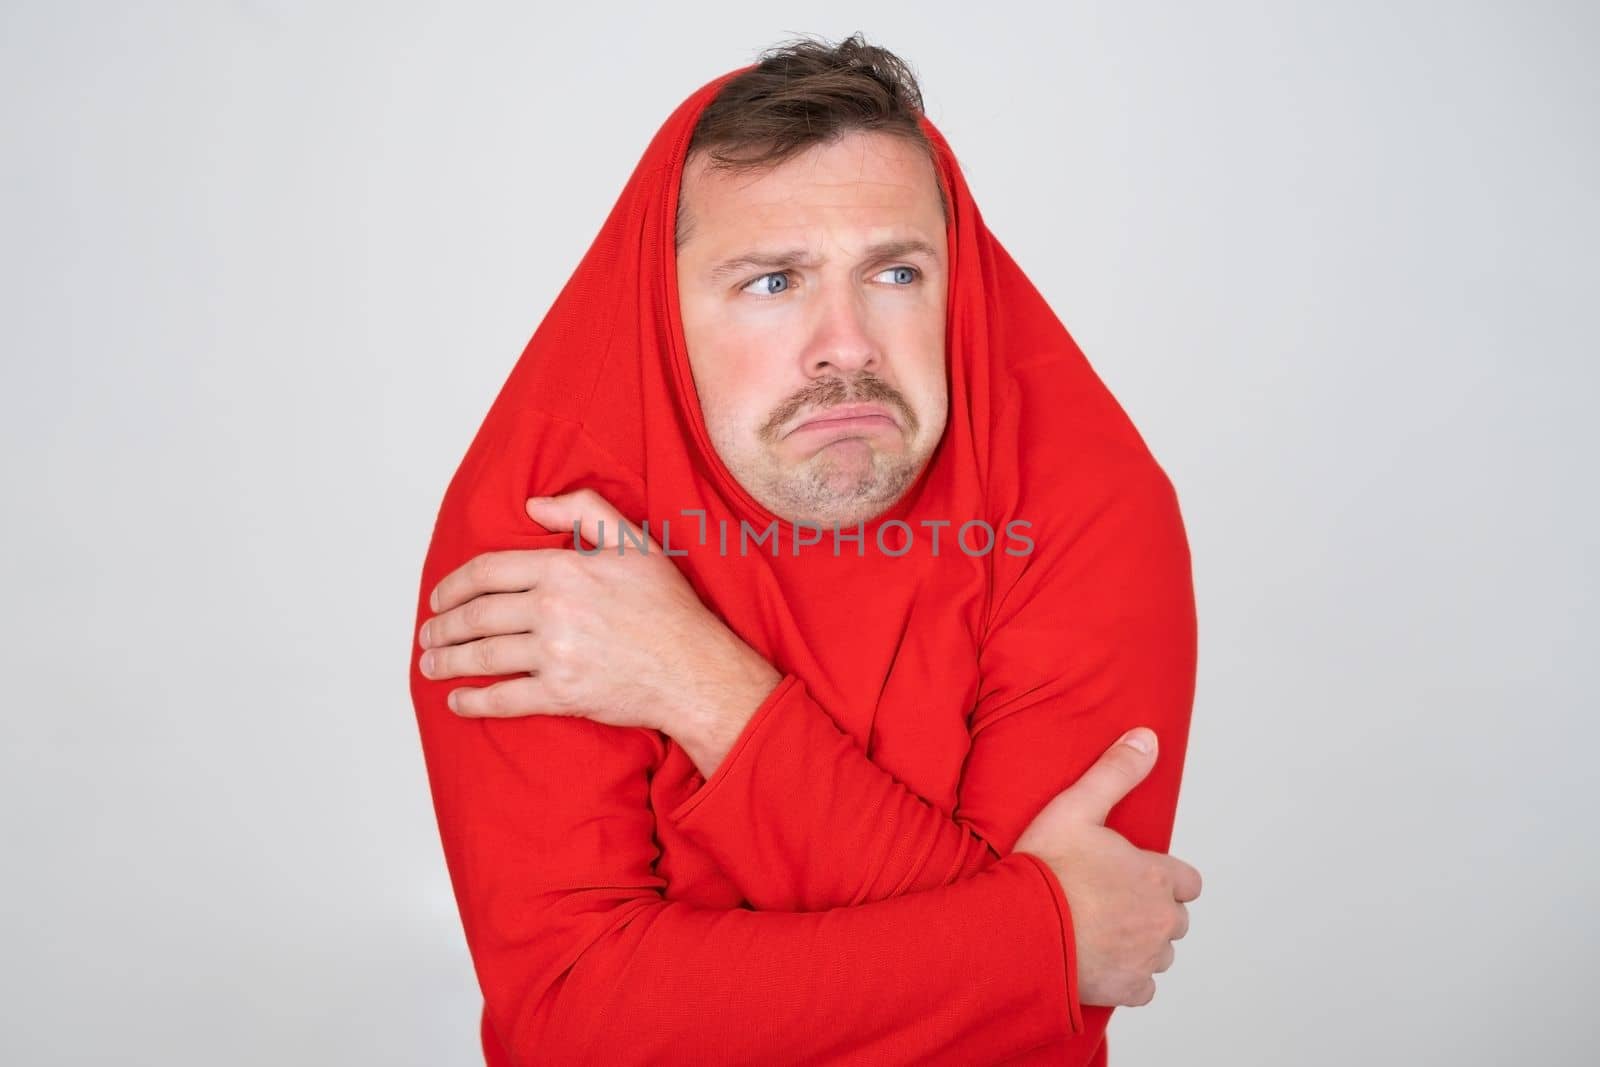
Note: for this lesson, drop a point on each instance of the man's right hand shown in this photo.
(1127, 902)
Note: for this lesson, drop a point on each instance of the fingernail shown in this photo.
(1141, 739)
(433, 600)
(423, 636)
(427, 663)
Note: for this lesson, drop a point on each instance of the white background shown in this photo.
(266, 264)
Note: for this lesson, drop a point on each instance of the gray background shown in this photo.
(265, 265)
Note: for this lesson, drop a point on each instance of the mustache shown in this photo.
(833, 391)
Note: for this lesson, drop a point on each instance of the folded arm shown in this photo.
(1094, 637)
(549, 840)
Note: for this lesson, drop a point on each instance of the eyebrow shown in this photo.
(797, 257)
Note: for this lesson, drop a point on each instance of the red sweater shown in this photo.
(842, 889)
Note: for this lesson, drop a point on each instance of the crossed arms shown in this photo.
(883, 929)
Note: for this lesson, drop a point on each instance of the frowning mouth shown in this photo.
(866, 417)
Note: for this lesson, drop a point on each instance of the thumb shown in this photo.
(1124, 765)
(585, 511)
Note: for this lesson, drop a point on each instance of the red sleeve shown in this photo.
(549, 839)
(817, 798)
(1094, 636)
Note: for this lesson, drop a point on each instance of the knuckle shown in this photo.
(484, 568)
(485, 657)
(1155, 873)
(557, 688)
(557, 650)
(553, 574)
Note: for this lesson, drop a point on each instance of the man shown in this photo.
(845, 798)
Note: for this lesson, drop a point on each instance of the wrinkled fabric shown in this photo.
(843, 889)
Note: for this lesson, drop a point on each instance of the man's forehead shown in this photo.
(864, 167)
(814, 223)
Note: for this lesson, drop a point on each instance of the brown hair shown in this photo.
(805, 92)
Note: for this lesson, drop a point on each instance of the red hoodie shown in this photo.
(843, 888)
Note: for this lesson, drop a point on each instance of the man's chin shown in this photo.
(845, 496)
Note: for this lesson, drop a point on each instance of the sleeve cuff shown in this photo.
(1069, 947)
(741, 746)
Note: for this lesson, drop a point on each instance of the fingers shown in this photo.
(503, 700)
(1185, 880)
(482, 616)
(1121, 768)
(513, 570)
(488, 656)
(1181, 926)
(584, 511)
(590, 514)
(1165, 958)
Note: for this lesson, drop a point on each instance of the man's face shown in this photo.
(797, 312)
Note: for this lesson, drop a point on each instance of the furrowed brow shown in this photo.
(752, 260)
(799, 257)
(910, 246)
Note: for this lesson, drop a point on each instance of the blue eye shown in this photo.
(775, 274)
(904, 276)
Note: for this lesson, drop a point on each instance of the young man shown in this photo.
(845, 798)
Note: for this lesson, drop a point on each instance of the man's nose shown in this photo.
(842, 341)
